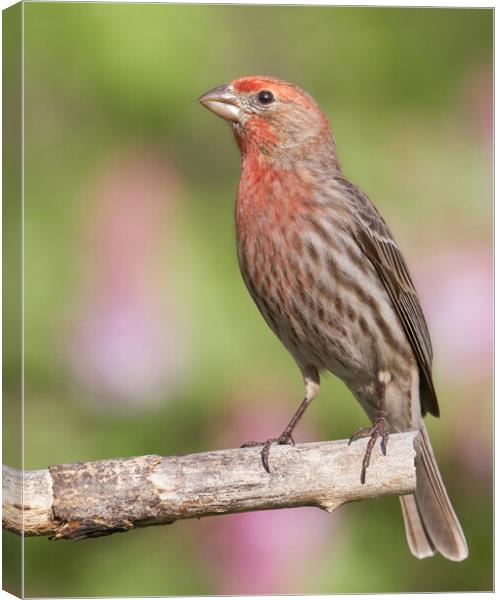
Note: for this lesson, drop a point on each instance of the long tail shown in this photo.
(430, 521)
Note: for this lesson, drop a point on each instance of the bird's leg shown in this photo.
(311, 391)
(379, 428)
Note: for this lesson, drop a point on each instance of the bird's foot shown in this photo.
(378, 430)
(284, 438)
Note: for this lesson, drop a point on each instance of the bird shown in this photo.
(331, 282)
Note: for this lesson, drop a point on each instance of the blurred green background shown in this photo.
(140, 336)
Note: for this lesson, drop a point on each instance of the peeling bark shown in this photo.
(91, 499)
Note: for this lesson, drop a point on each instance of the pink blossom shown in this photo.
(456, 287)
(127, 345)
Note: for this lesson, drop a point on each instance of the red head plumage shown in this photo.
(275, 119)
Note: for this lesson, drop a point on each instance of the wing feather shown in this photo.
(377, 243)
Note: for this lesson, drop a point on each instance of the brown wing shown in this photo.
(377, 243)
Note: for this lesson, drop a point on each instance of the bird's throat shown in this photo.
(270, 197)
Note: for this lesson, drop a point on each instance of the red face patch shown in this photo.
(281, 89)
(252, 84)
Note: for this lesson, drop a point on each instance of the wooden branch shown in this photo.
(91, 499)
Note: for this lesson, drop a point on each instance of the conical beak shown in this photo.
(223, 102)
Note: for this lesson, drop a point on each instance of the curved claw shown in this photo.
(379, 429)
(285, 438)
(383, 443)
(264, 455)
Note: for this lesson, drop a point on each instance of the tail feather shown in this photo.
(419, 542)
(430, 521)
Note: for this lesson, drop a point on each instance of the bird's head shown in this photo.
(272, 117)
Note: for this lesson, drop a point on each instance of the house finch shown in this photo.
(331, 282)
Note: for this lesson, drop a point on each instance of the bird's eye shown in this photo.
(265, 97)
